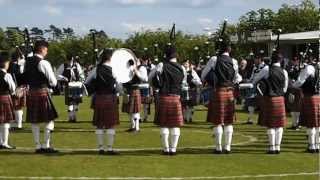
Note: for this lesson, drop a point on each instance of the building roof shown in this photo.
(296, 38)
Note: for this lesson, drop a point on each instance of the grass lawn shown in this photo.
(140, 153)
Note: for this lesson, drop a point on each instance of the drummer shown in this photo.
(257, 72)
(71, 71)
(191, 89)
(145, 89)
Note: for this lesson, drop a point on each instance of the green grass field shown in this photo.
(140, 153)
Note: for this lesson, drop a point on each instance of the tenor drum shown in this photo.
(121, 61)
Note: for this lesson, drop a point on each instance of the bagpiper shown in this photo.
(309, 81)
(222, 73)
(7, 88)
(19, 98)
(169, 77)
(272, 82)
(105, 102)
(39, 76)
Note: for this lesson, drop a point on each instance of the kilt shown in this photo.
(221, 108)
(273, 112)
(296, 105)
(71, 100)
(6, 109)
(169, 111)
(106, 111)
(251, 102)
(40, 108)
(134, 103)
(310, 111)
(146, 98)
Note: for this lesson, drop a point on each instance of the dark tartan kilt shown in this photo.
(273, 112)
(221, 108)
(251, 102)
(193, 99)
(310, 111)
(6, 109)
(146, 99)
(71, 100)
(134, 103)
(40, 109)
(169, 111)
(296, 105)
(19, 103)
(106, 111)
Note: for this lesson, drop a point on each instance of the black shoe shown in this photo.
(249, 122)
(277, 152)
(271, 152)
(227, 152)
(311, 151)
(8, 147)
(101, 152)
(172, 153)
(317, 150)
(217, 152)
(50, 151)
(1, 146)
(131, 130)
(165, 153)
(40, 151)
(112, 153)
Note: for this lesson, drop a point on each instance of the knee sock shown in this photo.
(278, 138)
(36, 135)
(272, 139)
(228, 131)
(100, 138)
(311, 138)
(110, 135)
(164, 135)
(251, 112)
(5, 134)
(47, 134)
(174, 134)
(218, 132)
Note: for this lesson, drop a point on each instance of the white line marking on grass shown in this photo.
(165, 178)
(251, 140)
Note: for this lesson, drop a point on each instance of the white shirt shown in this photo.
(264, 74)
(309, 70)
(195, 78)
(61, 69)
(9, 80)
(212, 64)
(45, 67)
(256, 77)
(142, 74)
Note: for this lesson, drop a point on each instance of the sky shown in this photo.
(120, 18)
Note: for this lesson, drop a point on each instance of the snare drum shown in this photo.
(247, 90)
(74, 93)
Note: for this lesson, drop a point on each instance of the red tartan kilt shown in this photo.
(273, 112)
(106, 111)
(38, 107)
(221, 108)
(19, 103)
(6, 109)
(236, 93)
(169, 111)
(310, 112)
(134, 104)
(296, 105)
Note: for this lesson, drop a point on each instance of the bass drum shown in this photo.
(121, 62)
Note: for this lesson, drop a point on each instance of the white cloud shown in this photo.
(137, 2)
(52, 10)
(140, 27)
